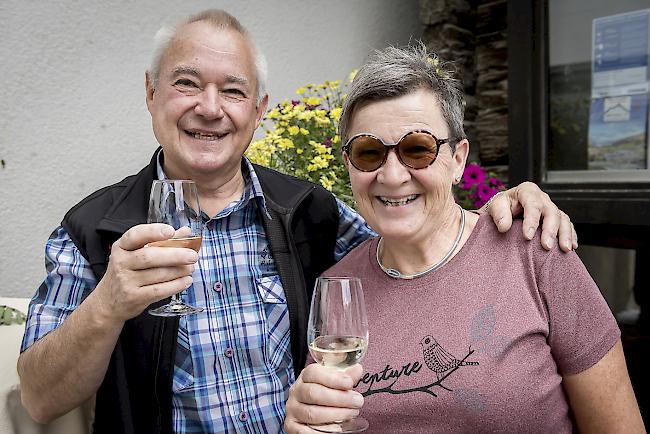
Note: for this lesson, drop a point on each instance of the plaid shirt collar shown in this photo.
(252, 187)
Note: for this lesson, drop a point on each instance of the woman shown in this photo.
(471, 330)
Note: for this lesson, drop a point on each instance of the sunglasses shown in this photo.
(416, 149)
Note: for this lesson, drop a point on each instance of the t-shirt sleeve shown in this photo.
(582, 327)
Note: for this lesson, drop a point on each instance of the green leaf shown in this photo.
(10, 316)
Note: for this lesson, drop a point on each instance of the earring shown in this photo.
(457, 180)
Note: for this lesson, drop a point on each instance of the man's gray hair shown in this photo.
(394, 72)
(219, 19)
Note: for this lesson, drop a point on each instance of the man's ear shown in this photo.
(261, 109)
(148, 84)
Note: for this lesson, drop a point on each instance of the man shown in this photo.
(266, 239)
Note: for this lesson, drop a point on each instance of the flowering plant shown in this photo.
(301, 139)
(477, 186)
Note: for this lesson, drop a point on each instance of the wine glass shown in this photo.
(338, 333)
(176, 203)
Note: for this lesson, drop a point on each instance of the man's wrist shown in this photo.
(100, 315)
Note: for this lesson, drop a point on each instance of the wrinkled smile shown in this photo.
(392, 201)
(205, 136)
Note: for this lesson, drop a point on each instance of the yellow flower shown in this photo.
(326, 183)
(285, 144)
(302, 138)
(312, 100)
(290, 114)
(322, 120)
(336, 113)
(260, 152)
(433, 61)
(352, 75)
(273, 114)
(305, 115)
(318, 162)
(320, 148)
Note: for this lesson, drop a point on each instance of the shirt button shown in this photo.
(228, 352)
(217, 286)
(242, 416)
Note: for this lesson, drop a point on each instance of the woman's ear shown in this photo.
(346, 160)
(460, 159)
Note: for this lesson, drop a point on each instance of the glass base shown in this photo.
(357, 424)
(177, 308)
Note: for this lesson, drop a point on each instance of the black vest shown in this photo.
(136, 394)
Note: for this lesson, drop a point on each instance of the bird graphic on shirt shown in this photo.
(438, 359)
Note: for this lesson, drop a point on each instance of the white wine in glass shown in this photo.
(338, 352)
(176, 203)
(338, 333)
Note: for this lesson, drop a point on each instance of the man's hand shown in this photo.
(320, 396)
(65, 367)
(138, 275)
(536, 206)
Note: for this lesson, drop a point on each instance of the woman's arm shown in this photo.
(601, 397)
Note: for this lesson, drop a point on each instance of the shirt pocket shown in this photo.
(271, 290)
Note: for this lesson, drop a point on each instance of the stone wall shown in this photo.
(472, 33)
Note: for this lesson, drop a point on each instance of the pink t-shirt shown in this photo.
(481, 344)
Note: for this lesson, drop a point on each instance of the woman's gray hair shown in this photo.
(219, 19)
(394, 72)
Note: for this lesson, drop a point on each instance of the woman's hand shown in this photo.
(537, 206)
(320, 396)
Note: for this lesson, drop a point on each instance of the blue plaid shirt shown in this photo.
(233, 364)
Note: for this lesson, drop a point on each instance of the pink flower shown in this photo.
(485, 192)
(495, 182)
(473, 174)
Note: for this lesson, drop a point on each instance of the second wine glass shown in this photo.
(338, 333)
(176, 203)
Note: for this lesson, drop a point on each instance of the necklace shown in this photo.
(396, 274)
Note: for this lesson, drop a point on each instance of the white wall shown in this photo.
(72, 111)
